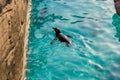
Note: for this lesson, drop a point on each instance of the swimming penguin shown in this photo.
(61, 37)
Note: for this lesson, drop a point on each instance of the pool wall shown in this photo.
(14, 29)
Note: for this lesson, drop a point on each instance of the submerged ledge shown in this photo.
(14, 32)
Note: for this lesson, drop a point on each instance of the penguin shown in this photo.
(61, 37)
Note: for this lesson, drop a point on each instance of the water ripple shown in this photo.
(94, 53)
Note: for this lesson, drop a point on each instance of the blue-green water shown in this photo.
(95, 30)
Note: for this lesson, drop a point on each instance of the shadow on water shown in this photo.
(116, 23)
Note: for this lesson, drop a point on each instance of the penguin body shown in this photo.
(61, 37)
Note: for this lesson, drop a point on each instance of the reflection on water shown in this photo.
(116, 23)
(94, 54)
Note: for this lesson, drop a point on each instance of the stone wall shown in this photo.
(13, 38)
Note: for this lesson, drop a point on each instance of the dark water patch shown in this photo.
(76, 22)
(116, 23)
(77, 16)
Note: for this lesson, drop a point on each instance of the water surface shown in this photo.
(94, 54)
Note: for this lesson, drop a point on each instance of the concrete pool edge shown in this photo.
(26, 39)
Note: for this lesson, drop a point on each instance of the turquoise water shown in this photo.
(95, 30)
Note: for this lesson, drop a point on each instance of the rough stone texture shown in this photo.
(13, 23)
(117, 6)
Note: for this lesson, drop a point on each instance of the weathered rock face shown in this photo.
(13, 25)
(117, 6)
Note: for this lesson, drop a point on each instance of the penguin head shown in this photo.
(57, 30)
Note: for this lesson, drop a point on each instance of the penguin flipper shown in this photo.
(67, 45)
(53, 41)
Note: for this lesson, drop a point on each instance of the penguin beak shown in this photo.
(53, 28)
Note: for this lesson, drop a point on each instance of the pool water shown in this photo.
(95, 30)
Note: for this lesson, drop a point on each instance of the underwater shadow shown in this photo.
(116, 18)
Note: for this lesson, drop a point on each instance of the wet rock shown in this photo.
(117, 6)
